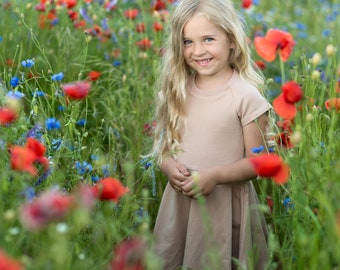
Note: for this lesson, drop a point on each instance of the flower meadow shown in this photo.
(78, 189)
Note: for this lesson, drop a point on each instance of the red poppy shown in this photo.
(333, 103)
(73, 15)
(129, 254)
(39, 149)
(77, 90)
(7, 263)
(275, 41)
(93, 75)
(271, 165)
(140, 28)
(7, 116)
(260, 64)
(283, 140)
(80, 24)
(131, 13)
(246, 3)
(144, 43)
(284, 104)
(158, 27)
(159, 5)
(109, 189)
(22, 159)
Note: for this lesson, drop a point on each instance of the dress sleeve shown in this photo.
(250, 104)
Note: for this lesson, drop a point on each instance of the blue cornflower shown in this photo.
(56, 143)
(14, 81)
(257, 149)
(27, 63)
(94, 157)
(38, 93)
(106, 170)
(95, 178)
(29, 193)
(57, 77)
(0, 38)
(326, 33)
(35, 132)
(81, 122)
(83, 167)
(60, 108)
(52, 123)
(287, 203)
(116, 63)
(15, 94)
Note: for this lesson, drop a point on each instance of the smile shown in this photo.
(202, 62)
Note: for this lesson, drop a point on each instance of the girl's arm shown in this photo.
(241, 170)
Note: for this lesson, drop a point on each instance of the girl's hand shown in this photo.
(199, 183)
(176, 173)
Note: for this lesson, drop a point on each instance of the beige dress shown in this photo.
(234, 227)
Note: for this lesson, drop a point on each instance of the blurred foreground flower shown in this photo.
(109, 189)
(7, 116)
(7, 263)
(77, 90)
(276, 40)
(129, 255)
(333, 103)
(284, 104)
(23, 157)
(271, 165)
(49, 207)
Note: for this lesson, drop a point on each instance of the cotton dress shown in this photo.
(236, 228)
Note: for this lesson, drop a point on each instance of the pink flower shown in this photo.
(49, 207)
(129, 255)
(77, 90)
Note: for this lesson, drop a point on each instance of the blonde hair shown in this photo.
(174, 73)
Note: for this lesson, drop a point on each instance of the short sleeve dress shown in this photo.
(233, 227)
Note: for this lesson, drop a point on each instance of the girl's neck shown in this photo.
(213, 82)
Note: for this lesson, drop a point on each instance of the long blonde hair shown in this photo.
(174, 72)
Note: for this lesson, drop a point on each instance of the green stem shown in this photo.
(282, 68)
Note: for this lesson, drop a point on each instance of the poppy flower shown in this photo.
(333, 103)
(49, 207)
(93, 75)
(260, 64)
(109, 189)
(275, 41)
(144, 44)
(8, 263)
(23, 157)
(131, 13)
(158, 27)
(129, 254)
(271, 165)
(284, 104)
(158, 5)
(77, 90)
(7, 116)
(140, 27)
(246, 3)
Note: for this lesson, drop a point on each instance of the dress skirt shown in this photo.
(227, 231)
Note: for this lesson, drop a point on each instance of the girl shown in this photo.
(210, 116)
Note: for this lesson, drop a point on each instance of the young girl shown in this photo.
(210, 115)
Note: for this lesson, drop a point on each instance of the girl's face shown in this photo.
(206, 49)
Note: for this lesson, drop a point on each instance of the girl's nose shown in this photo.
(198, 49)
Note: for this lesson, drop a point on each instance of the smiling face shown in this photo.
(207, 50)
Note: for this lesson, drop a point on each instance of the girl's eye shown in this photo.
(187, 42)
(208, 39)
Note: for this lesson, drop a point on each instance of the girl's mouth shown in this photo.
(203, 62)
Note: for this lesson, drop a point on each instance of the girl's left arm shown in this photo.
(242, 170)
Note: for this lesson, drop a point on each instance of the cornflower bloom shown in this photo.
(28, 63)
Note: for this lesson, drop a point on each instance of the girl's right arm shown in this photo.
(175, 171)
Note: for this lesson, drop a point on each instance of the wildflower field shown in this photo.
(78, 189)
